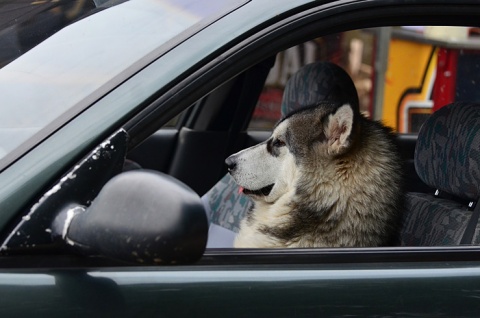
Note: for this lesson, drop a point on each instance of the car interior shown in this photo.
(241, 113)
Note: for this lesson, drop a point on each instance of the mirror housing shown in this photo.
(139, 216)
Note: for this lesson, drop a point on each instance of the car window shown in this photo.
(402, 74)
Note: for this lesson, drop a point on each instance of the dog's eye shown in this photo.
(278, 143)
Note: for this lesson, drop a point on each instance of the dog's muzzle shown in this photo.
(231, 163)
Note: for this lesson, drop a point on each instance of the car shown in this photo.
(115, 122)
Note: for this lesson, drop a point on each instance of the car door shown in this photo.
(51, 278)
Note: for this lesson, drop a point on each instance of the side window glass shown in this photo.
(402, 74)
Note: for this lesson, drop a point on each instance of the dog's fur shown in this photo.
(327, 177)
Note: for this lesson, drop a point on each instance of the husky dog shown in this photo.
(327, 177)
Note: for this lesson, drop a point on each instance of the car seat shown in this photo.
(447, 158)
(313, 83)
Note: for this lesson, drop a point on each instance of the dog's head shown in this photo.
(303, 141)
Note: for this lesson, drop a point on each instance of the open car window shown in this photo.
(400, 91)
(394, 88)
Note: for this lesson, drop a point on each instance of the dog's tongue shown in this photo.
(240, 189)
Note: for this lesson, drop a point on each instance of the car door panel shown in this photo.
(372, 289)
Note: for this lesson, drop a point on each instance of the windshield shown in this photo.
(59, 57)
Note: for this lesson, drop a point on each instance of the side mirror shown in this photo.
(139, 216)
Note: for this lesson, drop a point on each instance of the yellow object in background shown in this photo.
(408, 82)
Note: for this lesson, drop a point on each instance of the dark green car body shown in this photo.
(161, 81)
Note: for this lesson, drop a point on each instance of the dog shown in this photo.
(327, 177)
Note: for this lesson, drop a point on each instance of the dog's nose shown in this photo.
(231, 163)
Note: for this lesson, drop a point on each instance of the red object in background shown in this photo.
(268, 106)
(445, 82)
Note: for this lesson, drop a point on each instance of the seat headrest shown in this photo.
(318, 82)
(447, 155)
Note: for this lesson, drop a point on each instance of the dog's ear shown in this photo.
(338, 129)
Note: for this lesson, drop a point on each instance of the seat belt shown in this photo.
(472, 225)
